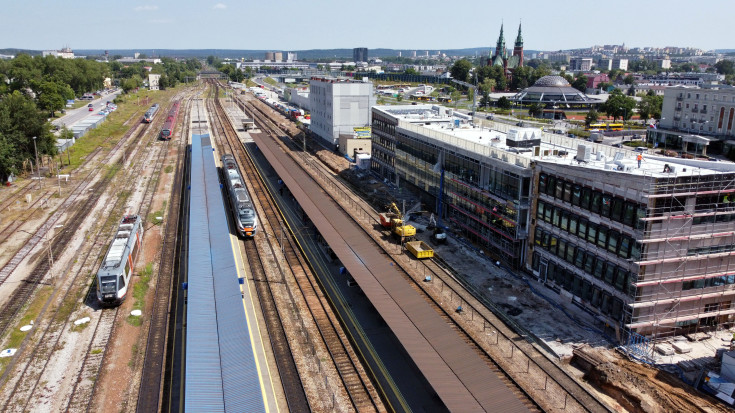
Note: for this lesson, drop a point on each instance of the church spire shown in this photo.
(519, 39)
(500, 47)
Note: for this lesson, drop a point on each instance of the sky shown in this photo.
(327, 24)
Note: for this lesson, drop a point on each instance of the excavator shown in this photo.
(393, 219)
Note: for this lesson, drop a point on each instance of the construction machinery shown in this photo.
(420, 249)
(393, 219)
(439, 236)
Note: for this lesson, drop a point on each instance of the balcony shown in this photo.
(695, 110)
(703, 111)
(680, 98)
(677, 118)
(678, 108)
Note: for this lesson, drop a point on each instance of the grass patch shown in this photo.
(31, 313)
(269, 80)
(96, 351)
(168, 169)
(139, 291)
(152, 217)
(133, 354)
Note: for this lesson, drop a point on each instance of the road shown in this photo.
(75, 115)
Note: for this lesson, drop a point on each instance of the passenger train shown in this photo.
(150, 113)
(113, 277)
(168, 127)
(243, 210)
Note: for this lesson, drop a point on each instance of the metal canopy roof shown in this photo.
(221, 375)
(462, 380)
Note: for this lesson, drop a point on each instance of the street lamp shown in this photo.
(38, 169)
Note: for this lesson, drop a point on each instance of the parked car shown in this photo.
(640, 148)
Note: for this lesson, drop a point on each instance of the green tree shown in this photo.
(629, 80)
(725, 67)
(591, 117)
(650, 106)
(580, 83)
(619, 105)
(461, 69)
(471, 94)
(410, 71)
(52, 96)
(504, 103)
(535, 110)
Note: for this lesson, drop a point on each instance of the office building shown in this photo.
(338, 106)
(646, 246)
(360, 54)
(580, 64)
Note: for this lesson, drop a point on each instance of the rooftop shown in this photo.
(516, 145)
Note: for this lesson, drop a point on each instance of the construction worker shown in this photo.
(639, 158)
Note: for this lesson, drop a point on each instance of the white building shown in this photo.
(582, 64)
(154, 81)
(699, 111)
(339, 106)
(65, 53)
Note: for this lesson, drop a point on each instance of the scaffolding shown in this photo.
(686, 272)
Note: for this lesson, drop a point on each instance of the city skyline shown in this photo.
(164, 25)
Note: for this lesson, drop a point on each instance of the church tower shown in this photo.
(518, 48)
(500, 47)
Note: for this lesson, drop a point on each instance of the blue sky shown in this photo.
(326, 24)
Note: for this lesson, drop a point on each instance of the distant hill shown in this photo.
(725, 50)
(17, 51)
(260, 54)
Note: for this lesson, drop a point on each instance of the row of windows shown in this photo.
(712, 249)
(586, 261)
(489, 237)
(710, 219)
(584, 289)
(608, 206)
(613, 241)
(709, 282)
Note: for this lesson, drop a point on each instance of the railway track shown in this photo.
(149, 394)
(546, 370)
(362, 394)
(290, 380)
(84, 385)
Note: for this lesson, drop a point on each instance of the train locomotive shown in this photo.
(150, 113)
(168, 126)
(243, 210)
(113, 277)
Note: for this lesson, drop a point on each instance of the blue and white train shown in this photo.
(244, 214)
(113, 277)
(150, 113)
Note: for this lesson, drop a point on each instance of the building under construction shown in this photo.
(647, 245)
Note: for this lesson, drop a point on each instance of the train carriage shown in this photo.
(113, 277)
(244, 214)
(167, 130)
(150, 113)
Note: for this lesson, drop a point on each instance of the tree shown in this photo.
(725, 67)
(471, 94)
(504, 103)
(461, 69)
(456, 96)
(411, 71)
(619, 105)
(591, 117)
(580, 83)
(52, 96)
(629, 80)
(535, 110)
(650, 106)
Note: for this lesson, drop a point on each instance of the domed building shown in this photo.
(555, 91)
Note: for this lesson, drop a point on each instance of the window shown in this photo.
(562, 248)
(609, 275)
(599, 268)
(592, 232)
(606, 206)
(602, 237)
(586, 196)
(629, 214)
(121, 282)
(612, 241)
(624, 251)
(565, 221)
(596, 296)
(540, 210)
(556, 218)
(620, 280)
(553, 244)
(567, 192)
(573, 224)
(570, 253)
(542, 179)
(582, 229)
(550, 186)
(548, 210)
(538, 236)
(559, 189)
(586, 293)
(589, 263)
(576, 195)
(617, 209)
(579, 259)
(596, 203)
